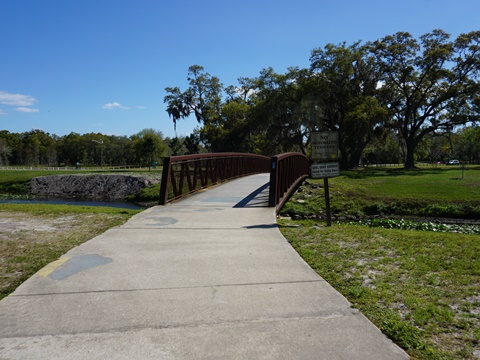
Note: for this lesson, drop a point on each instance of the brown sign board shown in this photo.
(324, 146)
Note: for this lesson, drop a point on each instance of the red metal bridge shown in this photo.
(184, 175)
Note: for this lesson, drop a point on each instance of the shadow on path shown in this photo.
(258, 198)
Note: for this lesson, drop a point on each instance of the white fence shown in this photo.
(81, 168)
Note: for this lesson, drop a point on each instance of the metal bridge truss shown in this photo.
(184, 175)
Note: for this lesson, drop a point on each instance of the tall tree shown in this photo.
(232, 130)
(346, 93)
(8, 147)
(175, 146)
(278, 117)
(38, 148)
(429, 85)
(223, 123)
(118, 150)
(149, 145)
(5, 152)
(71, 149)
(203, 97)
(468, 144)
(192, 143)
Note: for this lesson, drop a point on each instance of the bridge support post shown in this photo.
(165, 180)
(272, 196)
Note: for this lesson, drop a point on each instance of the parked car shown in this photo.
(453, 162)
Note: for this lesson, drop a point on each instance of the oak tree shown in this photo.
(346, 92)
(430, 85)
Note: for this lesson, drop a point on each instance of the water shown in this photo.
(115, 204)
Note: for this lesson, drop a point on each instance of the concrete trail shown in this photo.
(208, 277)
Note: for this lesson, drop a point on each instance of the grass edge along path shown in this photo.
(420, 288)
(25, 249)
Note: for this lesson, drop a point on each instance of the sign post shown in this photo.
(327, 202)
(325, 164)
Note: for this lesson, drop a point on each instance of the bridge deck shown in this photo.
(208, 277)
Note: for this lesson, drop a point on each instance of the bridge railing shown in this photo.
(286, 173)
(183, 175)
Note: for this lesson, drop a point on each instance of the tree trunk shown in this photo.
(409, 159)
(355, 157)
(344, 158)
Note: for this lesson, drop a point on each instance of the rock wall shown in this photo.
(98, 187)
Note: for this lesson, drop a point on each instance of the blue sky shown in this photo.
(102, 65)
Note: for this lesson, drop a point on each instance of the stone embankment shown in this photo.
(97, 187)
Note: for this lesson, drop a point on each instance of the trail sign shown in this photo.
(325, 170)
(324, 146)
(324, 153)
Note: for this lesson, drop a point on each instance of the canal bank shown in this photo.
(99, 187)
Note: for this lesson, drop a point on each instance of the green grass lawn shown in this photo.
(439, 192)
(421, 288)
(431, 184)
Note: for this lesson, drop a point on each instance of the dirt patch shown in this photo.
(29, 242)
(13, 222)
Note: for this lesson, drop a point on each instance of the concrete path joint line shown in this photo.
(168, 288)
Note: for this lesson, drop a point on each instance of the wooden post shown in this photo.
(327, 201)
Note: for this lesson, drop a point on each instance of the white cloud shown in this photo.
(26, 110)
(23, 102)
(115, 105)
(16, 99)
